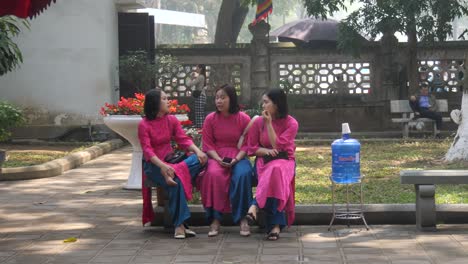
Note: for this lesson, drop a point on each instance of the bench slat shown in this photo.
(434, 177)
(402, 106)
(405, 120)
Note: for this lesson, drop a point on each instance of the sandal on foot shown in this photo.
(273, 236)
(179, 235)
(244, 230)
(251, 219)
(214, 231)
(190, 233)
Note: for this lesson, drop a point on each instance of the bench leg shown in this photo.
(425, 207)
(405, 130)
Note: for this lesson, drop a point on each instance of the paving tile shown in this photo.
(196, 259)
(29, 259)
(69, 260)
(280, 251)
(237, 259)
(336, 257)
(111, 259)
(152, 259)
(282, 258)
(320, 244)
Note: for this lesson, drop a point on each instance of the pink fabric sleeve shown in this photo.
(178, 133)
(207, 136)
(145, 142)
(245, 120)
(253, 137)
(286, 139)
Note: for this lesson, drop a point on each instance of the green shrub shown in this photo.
(10, 116)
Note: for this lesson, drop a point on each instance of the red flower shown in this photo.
(126, 106)
(186, 123)
(175, 108)
(134, 106)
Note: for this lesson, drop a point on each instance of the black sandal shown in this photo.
(273, 236)
(251, 220)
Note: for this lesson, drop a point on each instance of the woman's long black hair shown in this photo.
(202, 71)
(279, 98)
(152, 104)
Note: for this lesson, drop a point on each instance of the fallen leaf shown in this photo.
(70, 240)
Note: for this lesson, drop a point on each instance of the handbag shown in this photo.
(196, 93)
(175, 157)
(281, 155)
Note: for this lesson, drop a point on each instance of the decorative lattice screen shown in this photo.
(216, 76)
(325, 78)
(441, 75)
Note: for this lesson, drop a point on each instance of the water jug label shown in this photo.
(348, 157)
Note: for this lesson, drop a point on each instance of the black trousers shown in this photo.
(431, 115)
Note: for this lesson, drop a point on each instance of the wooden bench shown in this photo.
(424, 182)
(402, 107)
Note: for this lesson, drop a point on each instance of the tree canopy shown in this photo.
(420, 20)
(10, 54)
(431, 18)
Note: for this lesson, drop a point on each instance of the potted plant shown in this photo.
(10, 116)
(124, 117)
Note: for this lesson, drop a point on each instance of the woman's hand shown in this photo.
(202, 157)
(222, 163)
(265, 152)
(266, 116)
(271, 152)
(167, 171)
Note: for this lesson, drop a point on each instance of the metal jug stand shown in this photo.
(346, 212)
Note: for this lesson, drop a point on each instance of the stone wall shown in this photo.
(327, 87)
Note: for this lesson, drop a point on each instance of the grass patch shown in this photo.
(381, 163)
(21, 158)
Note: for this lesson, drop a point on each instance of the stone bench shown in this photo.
(402, 107)
(424, 182)
(162, 200)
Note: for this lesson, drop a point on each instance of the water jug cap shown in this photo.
(345, 128)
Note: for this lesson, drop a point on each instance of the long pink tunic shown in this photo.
(276, 178)
(221, 134)
(155, 138)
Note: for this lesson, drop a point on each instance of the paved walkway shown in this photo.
(89, 204)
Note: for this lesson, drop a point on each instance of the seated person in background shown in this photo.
(339, 86)
(425, 105)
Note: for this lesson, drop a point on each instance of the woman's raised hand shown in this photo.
(266, 116)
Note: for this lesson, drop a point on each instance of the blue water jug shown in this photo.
(346, 167)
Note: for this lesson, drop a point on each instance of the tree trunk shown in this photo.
(459, 148)
(412, 60)
(230, 20)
